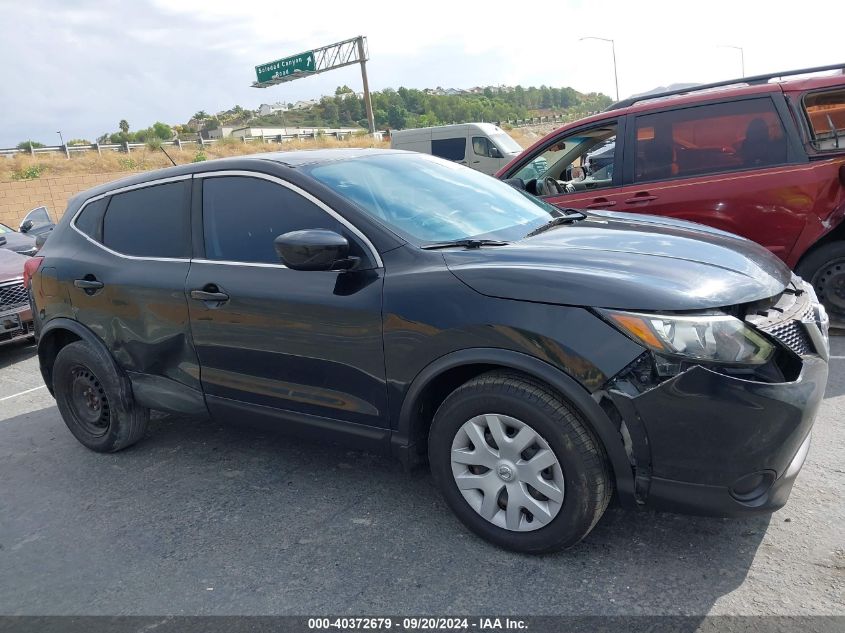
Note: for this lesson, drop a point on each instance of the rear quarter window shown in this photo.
(150, 222)
(826, 116)
(90, 220)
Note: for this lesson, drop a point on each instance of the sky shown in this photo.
(79, 66)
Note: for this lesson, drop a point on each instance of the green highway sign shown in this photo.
(304, 62)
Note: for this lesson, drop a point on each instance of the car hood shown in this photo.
(625, 261)
(11, 265)
(18, 241)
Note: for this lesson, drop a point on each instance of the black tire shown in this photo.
(824, 269)
(587, 479)
(95, 400)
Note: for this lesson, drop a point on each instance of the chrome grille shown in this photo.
(13, 296)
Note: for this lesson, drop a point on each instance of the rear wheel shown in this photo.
(517, 464)
(88, 394)
(824, 269)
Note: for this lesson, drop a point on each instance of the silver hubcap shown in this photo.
(507, 472)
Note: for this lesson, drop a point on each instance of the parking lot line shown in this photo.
(15, 395)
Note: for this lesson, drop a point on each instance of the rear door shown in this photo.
(732, 165)
(127, 283)
(284, 344)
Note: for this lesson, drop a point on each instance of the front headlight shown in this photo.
(712, 338)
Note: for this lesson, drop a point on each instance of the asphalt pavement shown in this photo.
(204, 519)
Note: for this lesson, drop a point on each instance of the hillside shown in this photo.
(392, 109)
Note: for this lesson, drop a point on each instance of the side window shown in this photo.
(449, 148)
(90, 221)
(241, 216)
(150, 222)
(584, 159)
(826, 115)
(709, 139)
(481, 146)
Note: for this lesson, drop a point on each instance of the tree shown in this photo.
(124, 126)
(200, 116)
(162, 131)
(28, 144)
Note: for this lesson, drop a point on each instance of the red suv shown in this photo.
(762, 157)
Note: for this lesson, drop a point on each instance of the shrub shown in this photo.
(27, 144)
(199, 157)
(128, 164)
(28, 173)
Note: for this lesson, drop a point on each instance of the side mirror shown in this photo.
(2, 241)
(314, 249)
(25, 226)
(494, 152)
(577, 174)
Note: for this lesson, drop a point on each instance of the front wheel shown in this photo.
(517, 464)
(824, 269)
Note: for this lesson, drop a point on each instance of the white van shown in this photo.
(482, 146)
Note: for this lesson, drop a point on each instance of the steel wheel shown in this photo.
(507, 472)
(88, 401)
(829, 284)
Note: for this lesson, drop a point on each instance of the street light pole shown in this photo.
(60, 137)
(741, 55)
(613, 49)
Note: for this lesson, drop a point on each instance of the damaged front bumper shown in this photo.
(707, 443)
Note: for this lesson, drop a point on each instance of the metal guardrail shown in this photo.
(67, 150)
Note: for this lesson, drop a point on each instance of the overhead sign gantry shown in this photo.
(319, 60)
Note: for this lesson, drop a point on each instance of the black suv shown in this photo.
(539, 358)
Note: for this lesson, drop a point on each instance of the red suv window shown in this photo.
(709, 139)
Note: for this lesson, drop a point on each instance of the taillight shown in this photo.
(30, 268)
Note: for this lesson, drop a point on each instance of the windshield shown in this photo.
(426, 199)
(5, 229)
(505, 143)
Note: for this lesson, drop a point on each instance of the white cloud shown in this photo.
(95, 62)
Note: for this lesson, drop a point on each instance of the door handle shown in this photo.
(642, 196)
(203, 295)
(601, 203)
(88, 284)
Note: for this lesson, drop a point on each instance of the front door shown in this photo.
(272, 340)
(585, 163)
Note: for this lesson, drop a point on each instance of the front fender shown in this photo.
(402, 442)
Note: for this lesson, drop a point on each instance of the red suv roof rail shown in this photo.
(756, 79)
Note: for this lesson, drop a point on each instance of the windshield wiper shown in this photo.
(464, 243)
(572, 215)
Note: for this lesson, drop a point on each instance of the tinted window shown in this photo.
(449, 148)
(826, 113)
(149, 222)
(90, 221)
(241, 217)
(709, 139)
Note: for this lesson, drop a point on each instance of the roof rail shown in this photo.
(756, 79)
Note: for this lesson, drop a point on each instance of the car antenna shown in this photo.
(168, 155)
